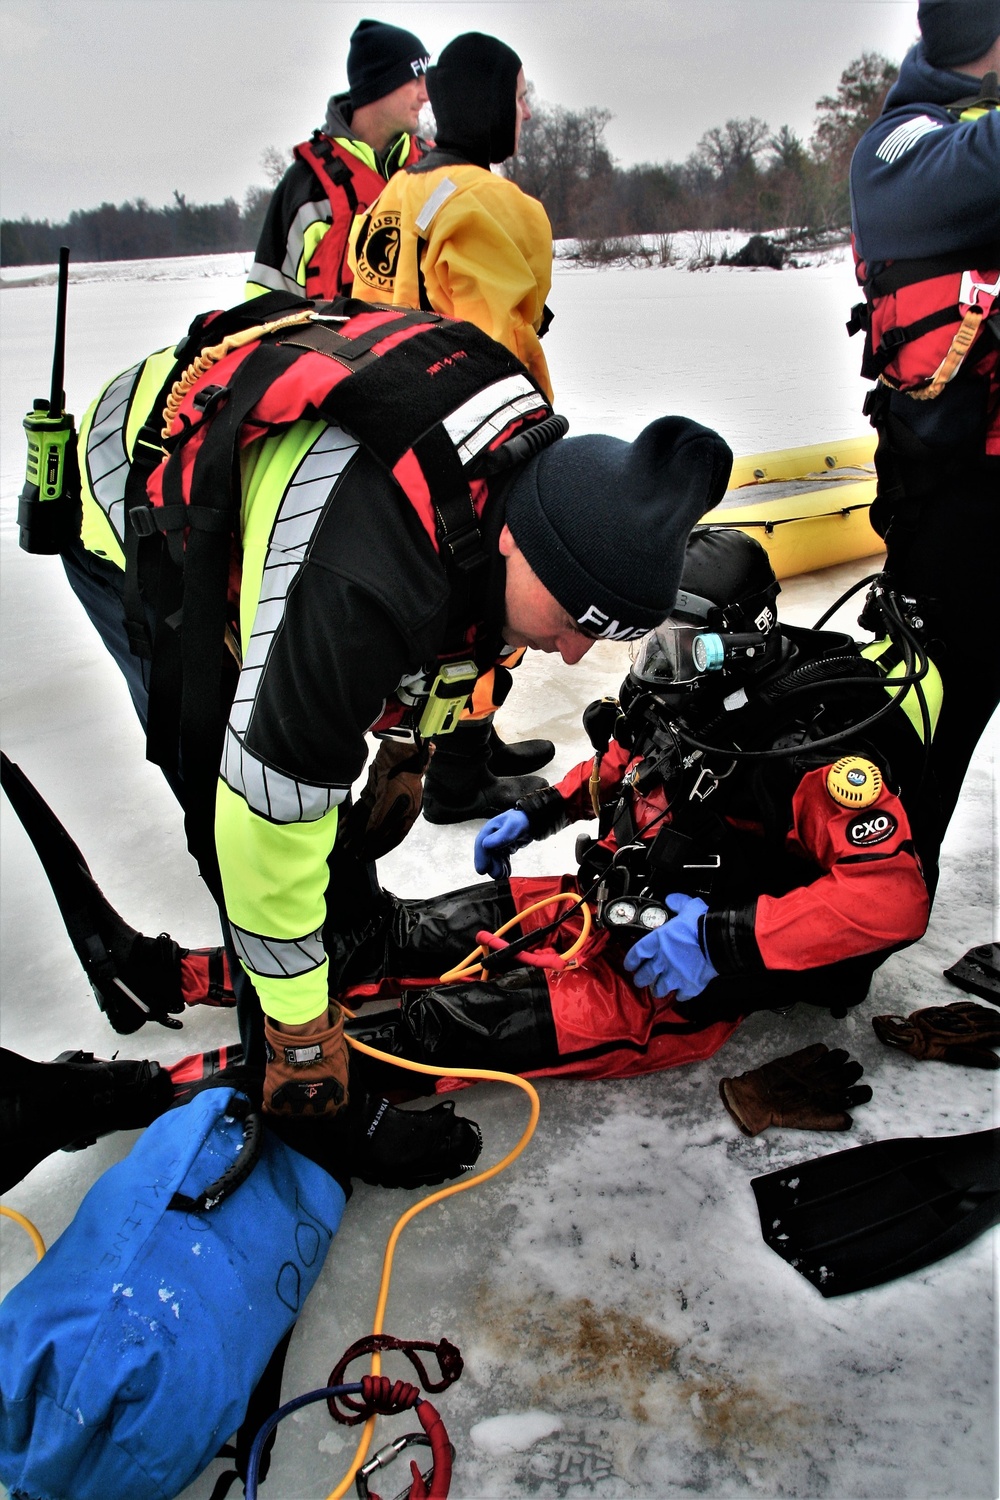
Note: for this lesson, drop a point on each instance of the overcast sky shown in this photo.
(118, 99)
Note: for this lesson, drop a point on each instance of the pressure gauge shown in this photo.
(620, 913)
(652, 917)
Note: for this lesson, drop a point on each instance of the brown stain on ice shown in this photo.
(579, 1352)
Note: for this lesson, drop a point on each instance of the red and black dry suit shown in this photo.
(925, 205)
(806, 897)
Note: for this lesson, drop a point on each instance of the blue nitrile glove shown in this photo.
(673, 957)
(496, 842)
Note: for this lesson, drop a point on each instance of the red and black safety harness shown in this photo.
(347, 363)
(351, 186)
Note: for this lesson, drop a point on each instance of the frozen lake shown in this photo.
(626, 1333)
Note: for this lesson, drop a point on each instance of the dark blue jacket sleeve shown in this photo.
(923, 183)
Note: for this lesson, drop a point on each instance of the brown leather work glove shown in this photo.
(809, 1090)
(306, 1074)
(389, 803)
(960, 1033)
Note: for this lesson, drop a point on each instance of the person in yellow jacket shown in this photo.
(447, 234)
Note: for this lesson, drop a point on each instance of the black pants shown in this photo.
(940, 516)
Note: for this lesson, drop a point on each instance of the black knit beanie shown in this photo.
(957, 31)
(603, 523)
(381, 59)
(473, 92)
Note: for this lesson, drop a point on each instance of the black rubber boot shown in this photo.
(519, 759)
(459, 783)
(66, 1104)
(135, 978)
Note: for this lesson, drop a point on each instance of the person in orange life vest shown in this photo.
(925, 198)
(369, 133)
(782, 863)
(449, 236)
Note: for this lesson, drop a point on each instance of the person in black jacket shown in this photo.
(925, 194)
(369, 133)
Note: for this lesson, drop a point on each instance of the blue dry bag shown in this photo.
(129, 1353)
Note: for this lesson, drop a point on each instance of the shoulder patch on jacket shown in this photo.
(905, 137)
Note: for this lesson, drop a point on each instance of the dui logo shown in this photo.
(378, 253)
(863, 833)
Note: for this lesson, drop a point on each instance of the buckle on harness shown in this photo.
(210, 398)
(142, 520)
(858, 320)
(466, 547)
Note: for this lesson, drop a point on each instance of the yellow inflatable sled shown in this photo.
(808, 506)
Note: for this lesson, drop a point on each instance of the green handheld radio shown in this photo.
(49, 510)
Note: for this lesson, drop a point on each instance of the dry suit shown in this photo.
(456, 238)
(806, 897)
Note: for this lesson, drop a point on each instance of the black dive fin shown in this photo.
(861, 1217)
(135, 978)
(978, 972)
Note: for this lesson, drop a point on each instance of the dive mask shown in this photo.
(676, 652)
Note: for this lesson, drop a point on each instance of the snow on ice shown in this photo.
(626, 1332)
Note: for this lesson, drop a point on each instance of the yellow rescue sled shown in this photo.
(808, 506)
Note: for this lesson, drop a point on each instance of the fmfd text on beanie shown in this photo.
(381, 59)
(957, 31)
(603, 523)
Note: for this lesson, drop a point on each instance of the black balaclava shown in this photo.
(473, 91)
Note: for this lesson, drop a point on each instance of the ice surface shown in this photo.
(614, 1280)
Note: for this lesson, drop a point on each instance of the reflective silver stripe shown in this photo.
(107, 460)
(274, 958)
(485, 415)
(905, 137)
(285, 278)
(272, 794)
(437, 199)
(269, 276)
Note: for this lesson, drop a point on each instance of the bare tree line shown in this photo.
(741, 175)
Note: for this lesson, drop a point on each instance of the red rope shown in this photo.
(378, 1389)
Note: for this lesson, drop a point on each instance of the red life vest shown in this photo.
(926, 319)
(351, 187)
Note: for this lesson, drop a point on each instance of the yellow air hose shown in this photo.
(471, 967)
(27, 1226)
(467, 969)
(473, 1074)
